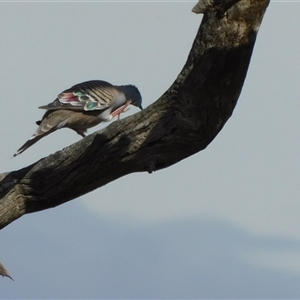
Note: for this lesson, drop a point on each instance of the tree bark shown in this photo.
(183, 121)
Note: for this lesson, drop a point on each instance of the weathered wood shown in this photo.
(183, 121)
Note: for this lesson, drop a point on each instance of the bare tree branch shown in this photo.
(183, 121)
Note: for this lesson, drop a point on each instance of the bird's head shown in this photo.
(133, 94)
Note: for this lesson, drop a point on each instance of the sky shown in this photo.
(223, 223)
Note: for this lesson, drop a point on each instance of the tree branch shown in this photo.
(183, 121)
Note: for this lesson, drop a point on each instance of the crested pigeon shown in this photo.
(83, 106)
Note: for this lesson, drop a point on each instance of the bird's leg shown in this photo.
(120, 110)
(80, 133)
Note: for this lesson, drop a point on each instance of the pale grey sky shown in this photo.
(223, 223)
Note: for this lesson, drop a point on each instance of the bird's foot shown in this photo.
(124, 110)
(120, 110)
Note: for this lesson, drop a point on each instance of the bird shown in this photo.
(83, 106)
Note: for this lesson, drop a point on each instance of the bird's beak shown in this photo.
(140, 107)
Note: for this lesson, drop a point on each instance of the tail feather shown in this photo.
(57, 119)
(29, 143)
(51, 121)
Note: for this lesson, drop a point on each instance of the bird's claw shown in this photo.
(120, 110)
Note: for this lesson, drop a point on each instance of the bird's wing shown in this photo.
(85, 96)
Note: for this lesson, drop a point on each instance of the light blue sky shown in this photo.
(222, 223)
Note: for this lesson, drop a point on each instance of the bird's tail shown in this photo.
(29, 143)
(51, 121)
